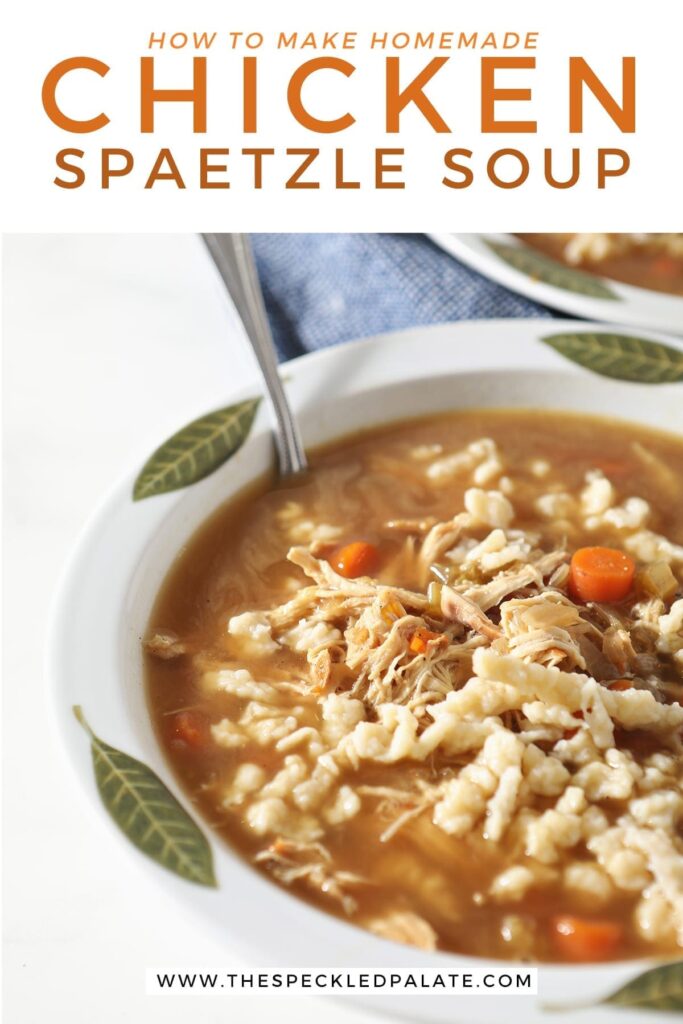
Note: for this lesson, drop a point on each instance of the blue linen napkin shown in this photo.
(321, 289)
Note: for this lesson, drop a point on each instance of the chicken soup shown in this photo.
(653, 261)
(434, 686)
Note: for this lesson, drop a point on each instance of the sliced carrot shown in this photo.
(666, 266)
(584, 939)
(188, 729)
(600, 574)
(621, 684)
(420, 639)
(356, 559)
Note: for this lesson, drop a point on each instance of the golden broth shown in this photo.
(640, 267)
(236, 562)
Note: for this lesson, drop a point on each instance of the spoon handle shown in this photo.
(234, 260)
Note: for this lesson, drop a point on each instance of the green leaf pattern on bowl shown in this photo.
(147, 812)
(196, 450)
(658, 989)
(549, 271)
(620, 356)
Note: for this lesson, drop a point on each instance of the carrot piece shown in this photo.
(600, 574)
(585, 939)
(666, 266)
(188, 729)
(420, 639)
(621, 684)
(355, 559)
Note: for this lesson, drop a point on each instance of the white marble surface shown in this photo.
(110, 343)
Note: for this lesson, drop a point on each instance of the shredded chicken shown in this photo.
(405, 927)
(310, 864)
(457, 607)
(504, 700)
(490, 594)
(165, 645)
(325, 576)
(440, 539)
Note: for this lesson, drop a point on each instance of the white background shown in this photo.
(110, 343)
(647, 198)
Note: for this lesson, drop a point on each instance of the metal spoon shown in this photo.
(234, 260)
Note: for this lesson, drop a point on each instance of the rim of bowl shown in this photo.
(61, 714)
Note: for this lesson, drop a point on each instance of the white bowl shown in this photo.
(629, 305)
(94, 653)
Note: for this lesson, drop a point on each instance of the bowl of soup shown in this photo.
(422, 705)
(626, 278)
(650, 261)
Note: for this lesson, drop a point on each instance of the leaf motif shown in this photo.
(658, 989)
(196, 450)
(621, 356)
(543, 268)
(148, 813)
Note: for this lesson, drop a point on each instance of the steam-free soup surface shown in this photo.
(301, 729)
(651, 261)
